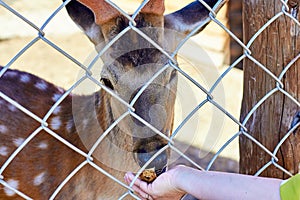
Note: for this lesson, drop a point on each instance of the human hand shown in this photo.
(164, 187)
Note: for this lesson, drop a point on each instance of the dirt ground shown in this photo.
(210, 129)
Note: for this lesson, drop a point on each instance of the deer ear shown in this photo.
(85, 19)
(189, 17)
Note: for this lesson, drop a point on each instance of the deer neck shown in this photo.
(89, 116)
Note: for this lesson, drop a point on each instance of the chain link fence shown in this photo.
(209, 93)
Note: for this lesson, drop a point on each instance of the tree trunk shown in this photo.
(275, 47)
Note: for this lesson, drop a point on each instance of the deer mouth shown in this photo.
(160, 171)
(153, 169)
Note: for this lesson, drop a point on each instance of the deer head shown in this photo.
(131, 61)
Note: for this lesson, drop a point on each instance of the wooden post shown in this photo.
(274, 48)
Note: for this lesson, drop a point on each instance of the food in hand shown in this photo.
(148, 175)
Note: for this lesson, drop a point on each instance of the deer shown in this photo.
(44, 163)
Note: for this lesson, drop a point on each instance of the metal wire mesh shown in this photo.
(44, 126)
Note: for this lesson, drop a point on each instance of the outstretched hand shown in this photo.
(174, 183)
(164, 187)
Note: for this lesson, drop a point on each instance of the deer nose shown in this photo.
(159, 163)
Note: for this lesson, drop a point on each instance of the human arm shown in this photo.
(207, 185)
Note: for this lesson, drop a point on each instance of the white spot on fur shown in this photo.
(55, 123)
(60, 90)
(12, 108)
(18, 142)
(3, 129)
(42, 85)
(11, 74)
(56, 97)
(43, 145)
(14, 184)
(3, 151)
(25, 78)
(39, 179)
(70, 125)
(57, 110)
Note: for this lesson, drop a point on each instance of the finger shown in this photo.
(142, 197)
(138, 182)
(144, 186)
(136, 186)
(145, 189)
(127, 179)
(130, 176)
(141, 194)
(146, 197)
(150, 197)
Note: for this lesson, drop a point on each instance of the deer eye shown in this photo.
(107, 83)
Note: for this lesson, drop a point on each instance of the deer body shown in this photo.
(44, 150)
(45, 162)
